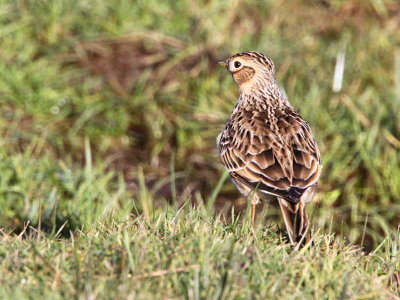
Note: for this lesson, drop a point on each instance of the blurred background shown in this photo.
(112, 108)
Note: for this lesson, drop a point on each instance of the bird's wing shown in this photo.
(279, 158)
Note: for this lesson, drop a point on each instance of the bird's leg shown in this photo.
(253, 214)
(255, 199)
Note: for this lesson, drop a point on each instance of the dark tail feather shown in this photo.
(296, 221)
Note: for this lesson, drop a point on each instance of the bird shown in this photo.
(267, 147)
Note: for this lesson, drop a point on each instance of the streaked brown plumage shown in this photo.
(266, 146)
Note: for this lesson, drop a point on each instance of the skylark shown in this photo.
(267, 147)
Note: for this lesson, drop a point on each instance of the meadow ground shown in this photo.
(110, 184)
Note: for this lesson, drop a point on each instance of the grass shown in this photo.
(189, 254)
(109, 114)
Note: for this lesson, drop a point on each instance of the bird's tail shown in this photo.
(296, 221)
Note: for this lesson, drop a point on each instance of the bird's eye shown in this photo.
(237, 64)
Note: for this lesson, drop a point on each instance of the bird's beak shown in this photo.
(223, 63)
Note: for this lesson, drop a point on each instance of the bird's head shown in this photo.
(249, 69)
